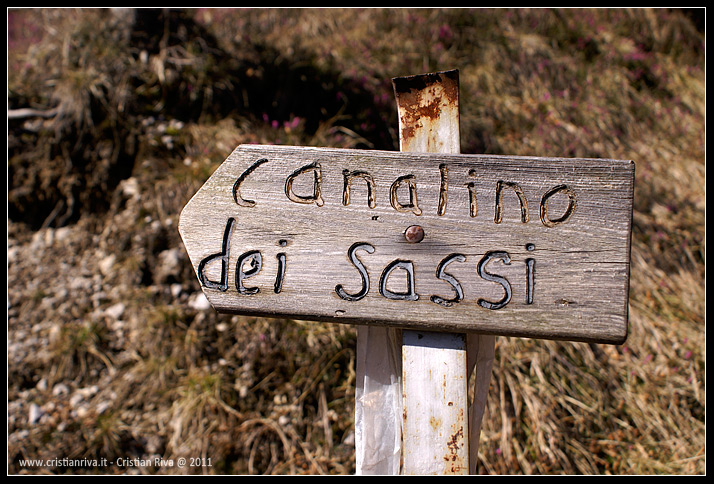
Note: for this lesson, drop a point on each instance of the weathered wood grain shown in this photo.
(580, 279)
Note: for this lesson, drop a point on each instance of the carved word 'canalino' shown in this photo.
(409, 182)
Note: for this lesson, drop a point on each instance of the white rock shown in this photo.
(35, 413)
(38, 241)
(349, 439)
(60, 389)
(88, 392)
(130, 188)
(62, 233)
(176, 290)
(76, 399)
(42, 385)
(169, 265)
(199, 302)
(102, 407)
(115, 311)
(107, 264)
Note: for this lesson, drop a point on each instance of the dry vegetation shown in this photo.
(118, 117)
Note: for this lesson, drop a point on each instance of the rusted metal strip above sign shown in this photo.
(509, 245)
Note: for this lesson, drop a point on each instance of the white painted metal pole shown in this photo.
(434, 365)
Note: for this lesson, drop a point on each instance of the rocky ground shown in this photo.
(114, 352)
(77, 309)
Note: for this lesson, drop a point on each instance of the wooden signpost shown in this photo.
(518, 246)
(437, 241)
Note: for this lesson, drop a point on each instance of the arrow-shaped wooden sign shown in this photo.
(508, 245)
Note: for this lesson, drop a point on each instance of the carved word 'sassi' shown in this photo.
(446, 242)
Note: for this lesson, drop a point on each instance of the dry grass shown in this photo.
(111, 357)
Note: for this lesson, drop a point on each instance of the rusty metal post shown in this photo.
(434, 365)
